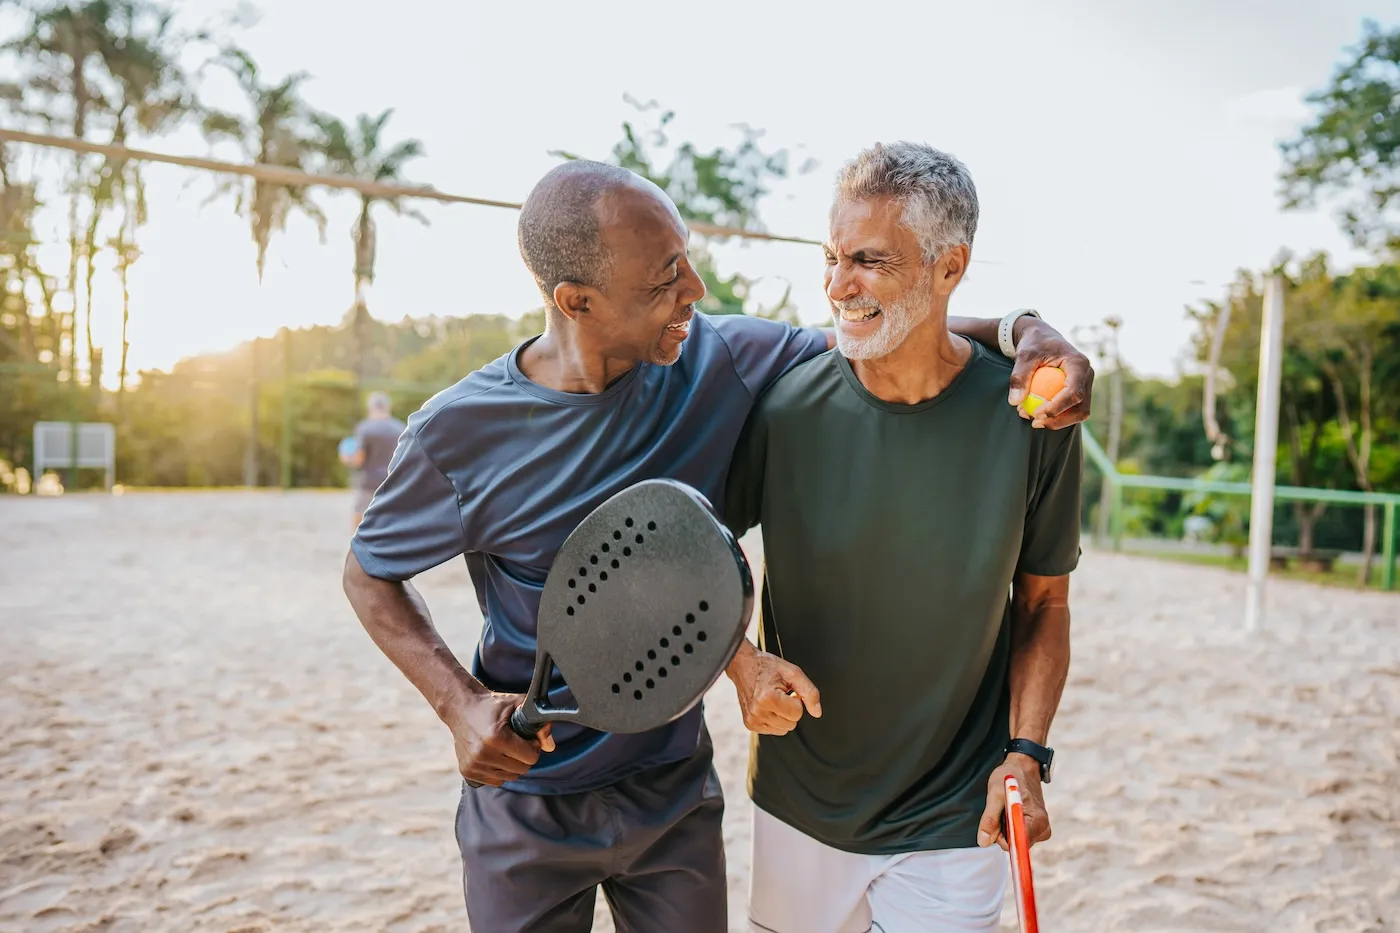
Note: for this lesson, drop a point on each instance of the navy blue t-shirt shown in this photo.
(501, 470)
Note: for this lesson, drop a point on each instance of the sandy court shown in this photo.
(196, 734)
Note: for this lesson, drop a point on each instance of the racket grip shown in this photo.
(524, 728)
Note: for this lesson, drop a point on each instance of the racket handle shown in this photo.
(524, 728)
(1019, 845)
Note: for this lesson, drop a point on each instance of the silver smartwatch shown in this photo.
(1008, 324)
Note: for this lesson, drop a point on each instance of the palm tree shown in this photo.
(363, 153)
(60, 49)
(275, 133)
(154, 95)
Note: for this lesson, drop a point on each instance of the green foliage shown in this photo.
(1229, 514)
(1350, 152)
(463, 345)
(1146, 512)
(721, 187)
(1339, 389)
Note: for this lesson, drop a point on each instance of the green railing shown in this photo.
(1117, 482)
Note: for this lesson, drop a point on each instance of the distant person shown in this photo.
(375, 439)
(918, 541)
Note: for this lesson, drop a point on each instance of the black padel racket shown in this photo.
(645, 605)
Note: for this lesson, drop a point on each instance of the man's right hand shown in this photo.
(488, 750)
(772, 692)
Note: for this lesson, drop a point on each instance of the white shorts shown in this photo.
(799, 885)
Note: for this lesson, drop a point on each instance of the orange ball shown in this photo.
(1046, 383)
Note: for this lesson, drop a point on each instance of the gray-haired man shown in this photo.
(901, 501)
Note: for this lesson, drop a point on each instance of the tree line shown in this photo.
(130, 72)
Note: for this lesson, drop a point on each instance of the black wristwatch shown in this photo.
(1045, 756)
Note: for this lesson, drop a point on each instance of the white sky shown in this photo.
(1125, 152)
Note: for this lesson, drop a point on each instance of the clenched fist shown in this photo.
(1027, 773)
(488, 750)
(772, 692)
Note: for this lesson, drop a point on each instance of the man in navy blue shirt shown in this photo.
(627, 383)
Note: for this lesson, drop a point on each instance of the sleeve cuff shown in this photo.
(371, 564)
(1055, 570)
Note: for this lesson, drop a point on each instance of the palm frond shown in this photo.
(391, 166)
(409, 212)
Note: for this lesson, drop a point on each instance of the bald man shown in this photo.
(627, 383)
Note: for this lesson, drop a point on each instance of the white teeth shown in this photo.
(857, 315)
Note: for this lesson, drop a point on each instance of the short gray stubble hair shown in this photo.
(559, 234)
(934, 190)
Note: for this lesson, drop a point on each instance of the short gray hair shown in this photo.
(934, 190)
(379, 402)
(558, 232)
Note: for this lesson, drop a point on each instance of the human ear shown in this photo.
(949, 269)
(573, 300)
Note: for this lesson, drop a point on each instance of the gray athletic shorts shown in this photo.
(533, 863)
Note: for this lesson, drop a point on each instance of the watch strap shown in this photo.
(1006, 328)
(1040, 753)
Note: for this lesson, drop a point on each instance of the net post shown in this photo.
(1261, 514)
(1116, 516)
(1388, 547)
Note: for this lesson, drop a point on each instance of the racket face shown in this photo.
(644, 607)
(1019, 844)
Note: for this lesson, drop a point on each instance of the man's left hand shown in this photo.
(1038, 344)
(1026, 771)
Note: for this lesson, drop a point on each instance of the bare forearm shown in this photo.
(981, 329)
(397, 619)
(1039, 663)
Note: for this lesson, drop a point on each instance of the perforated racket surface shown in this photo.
(644, 607)
(1018, 842)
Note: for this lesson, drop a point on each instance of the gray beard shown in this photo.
(897, 322)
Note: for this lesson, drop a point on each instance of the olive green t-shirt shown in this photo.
(891, 537)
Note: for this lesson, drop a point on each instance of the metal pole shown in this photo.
(1116, 523)
(279, 175)
(1388, 548)
(1115, 422)
(1261, 513)
(1104, 529)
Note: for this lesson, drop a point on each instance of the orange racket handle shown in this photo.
(1020, 846)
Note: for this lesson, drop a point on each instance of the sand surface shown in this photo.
(196, 734)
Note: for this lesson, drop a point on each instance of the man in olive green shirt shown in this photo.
(918, 538)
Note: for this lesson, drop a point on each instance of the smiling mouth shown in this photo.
(859, 315)
(681, 327)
